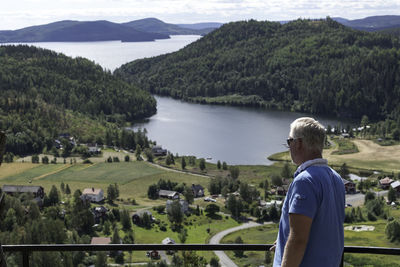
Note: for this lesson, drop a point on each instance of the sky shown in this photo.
(16, 14)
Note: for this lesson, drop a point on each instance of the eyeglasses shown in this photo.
(290, 140)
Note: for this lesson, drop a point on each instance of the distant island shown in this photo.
(143, 30)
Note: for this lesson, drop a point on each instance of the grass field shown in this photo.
(371, 156)
(267, 234)
(132, 177)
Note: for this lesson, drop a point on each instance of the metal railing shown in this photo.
(26, 250)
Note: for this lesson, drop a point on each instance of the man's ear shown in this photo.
(299, 143)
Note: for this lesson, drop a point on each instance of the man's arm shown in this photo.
(297, 241)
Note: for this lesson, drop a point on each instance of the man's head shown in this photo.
(306, 139)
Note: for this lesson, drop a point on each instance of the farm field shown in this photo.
(133, 178)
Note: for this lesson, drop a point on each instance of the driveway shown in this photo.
(224, 260)
(358, 199)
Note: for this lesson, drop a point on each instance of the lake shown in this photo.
(232, 134)
(112, 54)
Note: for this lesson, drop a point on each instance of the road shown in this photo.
(224, 260)
(358, 199)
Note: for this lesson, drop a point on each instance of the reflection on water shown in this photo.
(232, 134)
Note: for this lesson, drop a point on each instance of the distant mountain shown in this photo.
(77, 31)
(201, 26)
(371, 24)
(158, 26)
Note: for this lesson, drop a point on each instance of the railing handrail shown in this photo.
(199, 247)
(27, 249)
(139, 247)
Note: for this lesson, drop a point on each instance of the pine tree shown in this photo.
(183, 163)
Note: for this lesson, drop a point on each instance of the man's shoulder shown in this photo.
(315, 172)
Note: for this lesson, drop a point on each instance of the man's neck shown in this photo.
(310, 156)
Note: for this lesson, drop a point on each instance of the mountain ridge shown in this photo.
(78, 31)
(148, 29)
(313, 66)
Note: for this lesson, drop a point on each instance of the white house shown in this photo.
(168, 194)
(93, 194)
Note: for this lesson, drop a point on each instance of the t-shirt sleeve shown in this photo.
(303, 199)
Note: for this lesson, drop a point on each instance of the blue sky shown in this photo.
(17, 14)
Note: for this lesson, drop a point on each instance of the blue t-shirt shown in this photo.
(316, 192)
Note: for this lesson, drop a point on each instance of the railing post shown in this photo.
(342, 261)
(25, 258)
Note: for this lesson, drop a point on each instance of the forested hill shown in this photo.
(79, 31)
(39, 88)
(320, 67)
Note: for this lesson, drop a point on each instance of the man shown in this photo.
(311, 224)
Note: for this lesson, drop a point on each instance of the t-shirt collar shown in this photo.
(308, 163)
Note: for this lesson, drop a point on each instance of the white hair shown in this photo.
(310, 131)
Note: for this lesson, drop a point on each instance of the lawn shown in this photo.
(196, 229)
(265, 234)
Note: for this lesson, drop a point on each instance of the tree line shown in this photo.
(44, 94)
(313, 66)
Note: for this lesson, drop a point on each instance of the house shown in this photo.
(100, 241)
(158, 151)
(275, 203)
(184, 205)
(396, 186)
(198, 190)
(385, 182)
(137, 218)
(93, 148)
(168, 194)
(37, 191)
(93, 194)
(349, 186)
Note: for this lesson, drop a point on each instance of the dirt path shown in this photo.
(53, 172)
(174, 170)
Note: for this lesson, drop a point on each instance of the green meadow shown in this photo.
(133, 178)
(266, 234)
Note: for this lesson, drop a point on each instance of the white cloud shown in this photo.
(19, 13)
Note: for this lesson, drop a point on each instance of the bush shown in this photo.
(371, 216)
(392, 230)
(35, 159)
(214, 262)
(45, 160)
